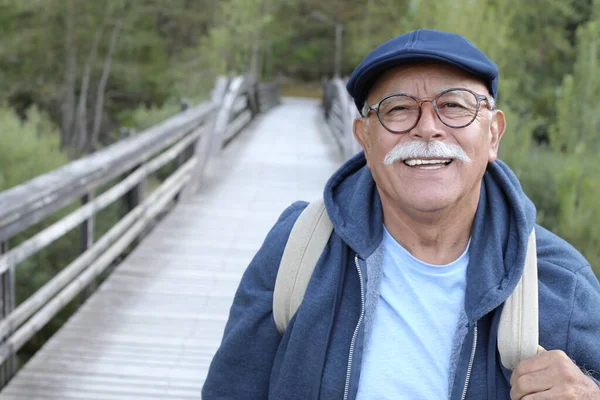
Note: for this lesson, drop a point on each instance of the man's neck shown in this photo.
(438, 237)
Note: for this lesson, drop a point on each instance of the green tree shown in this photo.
(578, 120)
(85, 62)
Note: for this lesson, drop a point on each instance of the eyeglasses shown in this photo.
(400, 112)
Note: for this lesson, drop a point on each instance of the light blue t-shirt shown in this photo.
(409, 349)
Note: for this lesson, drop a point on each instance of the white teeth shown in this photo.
(433, 167)
(413, 162)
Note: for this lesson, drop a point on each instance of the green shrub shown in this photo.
(560, 178)
(27, 149)
(565, 192)
(578, 219)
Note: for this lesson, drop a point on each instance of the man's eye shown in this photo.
(452, 105)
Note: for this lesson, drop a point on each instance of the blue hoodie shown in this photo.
(319, 355)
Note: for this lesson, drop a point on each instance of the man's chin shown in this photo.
(431, 203)
(432, 208)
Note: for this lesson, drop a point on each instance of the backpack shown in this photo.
(518, 331)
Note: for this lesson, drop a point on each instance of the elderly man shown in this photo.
(430, 234)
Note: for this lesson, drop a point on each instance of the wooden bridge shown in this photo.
(150, 329)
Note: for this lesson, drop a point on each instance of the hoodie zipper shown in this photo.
(355, 335)
(470, 368)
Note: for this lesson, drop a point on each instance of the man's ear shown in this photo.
(359, 128)
(497, 128)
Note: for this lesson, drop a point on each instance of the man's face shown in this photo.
(422, 187)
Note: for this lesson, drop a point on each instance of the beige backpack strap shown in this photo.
(305, 244)
(518, 334)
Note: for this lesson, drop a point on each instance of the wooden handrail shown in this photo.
(340, 113)
(184, 139)
(32, 201)
(237, 110)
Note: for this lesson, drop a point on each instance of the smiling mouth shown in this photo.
(422, 163)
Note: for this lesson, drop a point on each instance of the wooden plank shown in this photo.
(151, 329)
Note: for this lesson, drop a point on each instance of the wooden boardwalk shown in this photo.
(151, 329)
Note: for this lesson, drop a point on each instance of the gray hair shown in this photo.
(491, 102)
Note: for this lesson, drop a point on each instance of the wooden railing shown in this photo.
(187, 140)
(340, 113)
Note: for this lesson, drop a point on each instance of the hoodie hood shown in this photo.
(354, 206)
(503, 221)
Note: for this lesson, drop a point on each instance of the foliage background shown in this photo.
(69, 68)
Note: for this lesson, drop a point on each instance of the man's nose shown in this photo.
(429, 125)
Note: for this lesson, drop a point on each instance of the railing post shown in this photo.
(204, 145)
(253, 96)
(136, 195)
(219, 91)
(353, 144)
(187, 153)
(339, 112)
(7, 286)
(87, 240)
(218, 95)
(326, 98)
(200, 148)
(224, 113)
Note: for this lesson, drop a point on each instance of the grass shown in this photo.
(302, 89)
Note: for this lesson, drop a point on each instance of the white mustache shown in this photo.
(421, 149)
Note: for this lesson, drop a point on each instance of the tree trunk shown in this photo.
(102, 85)
(255, 61)
(68, 105)
(81, 120)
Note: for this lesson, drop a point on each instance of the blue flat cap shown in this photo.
(421, 46)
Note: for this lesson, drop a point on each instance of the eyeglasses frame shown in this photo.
(433, 101)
